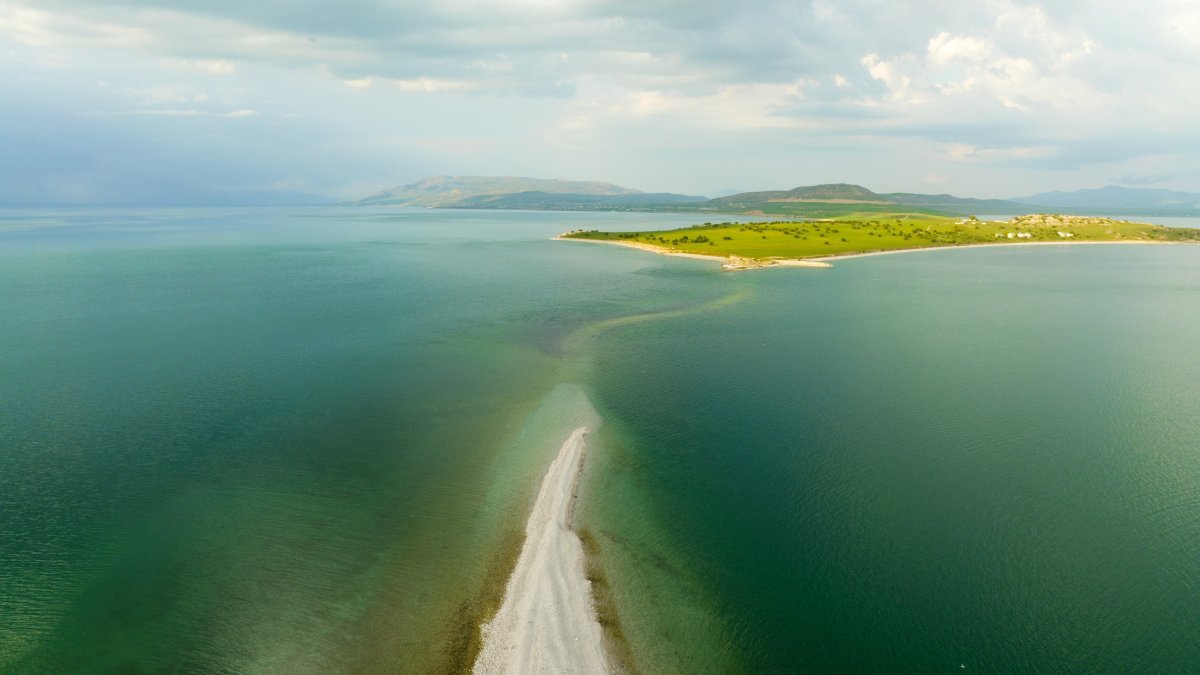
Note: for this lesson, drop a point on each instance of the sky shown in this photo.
(179, 101)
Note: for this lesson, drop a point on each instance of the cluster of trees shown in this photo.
(698, 239)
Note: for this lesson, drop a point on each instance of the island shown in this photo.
(813, 243)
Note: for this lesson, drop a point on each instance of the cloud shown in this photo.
(210, 66)
(427, 84)
(976, 92)
(946, 48)
(1185, 26)
(959, 152)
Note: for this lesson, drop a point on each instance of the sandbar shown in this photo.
(732, 262)
(547, 622)
(741, 263)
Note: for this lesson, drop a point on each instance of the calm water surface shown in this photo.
(984, 458)
(281, 440)
(289, 440)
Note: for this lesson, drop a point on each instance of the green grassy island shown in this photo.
(811, 242)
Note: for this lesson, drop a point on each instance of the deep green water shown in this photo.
(983, 458)
(305, 441)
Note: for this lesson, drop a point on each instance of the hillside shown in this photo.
(839, 199)
(963, 205)
(449, 190)
(832, 193)
(832, 200)
(546, 201)
(811, 201)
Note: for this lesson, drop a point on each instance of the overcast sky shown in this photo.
(182, 100)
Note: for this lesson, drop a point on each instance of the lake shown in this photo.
(305, 440)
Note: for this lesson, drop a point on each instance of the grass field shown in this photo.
(862, 233)
(809, 210)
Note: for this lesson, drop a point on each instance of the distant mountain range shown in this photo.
(836, 198)
(1115, 197)
(509, 192)
(814, 201)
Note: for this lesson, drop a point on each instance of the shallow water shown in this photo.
(305, 440)
(281, 440)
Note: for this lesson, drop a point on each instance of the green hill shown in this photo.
(450, 190)
(962, 205)
(832, 200)
(546, 201)
(832, 192)
(842, 199)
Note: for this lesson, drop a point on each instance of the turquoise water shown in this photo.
(280, 440)
(304, 440)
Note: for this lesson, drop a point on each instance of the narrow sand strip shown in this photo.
(645, 247)
(547, 623)
(738, 263)
(731, 262)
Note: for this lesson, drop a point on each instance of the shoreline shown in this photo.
(731, 262)
(738, 263)
(547, 622)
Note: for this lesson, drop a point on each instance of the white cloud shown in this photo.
(987, 84)
(428, 85)
(44, 29)
(425, 85)
(945, 48)
(897, 74)
(731, 107)
(969, 154)
(210, 66)
(1185, 26)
